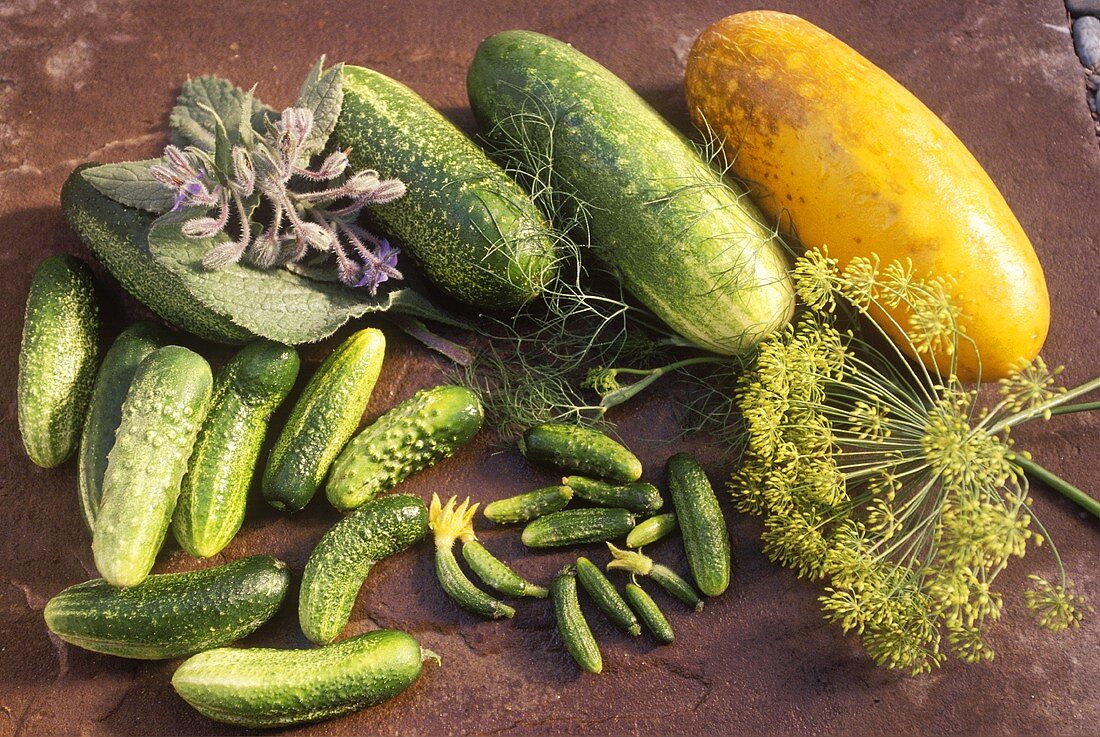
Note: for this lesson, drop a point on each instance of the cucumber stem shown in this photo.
(1059, 484)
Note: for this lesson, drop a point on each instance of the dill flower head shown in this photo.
(887, 479)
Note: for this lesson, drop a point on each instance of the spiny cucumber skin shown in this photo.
(638, 497)
(113, 380)
(118, 237)
(650, 613)
(170, 615)
(324, 417)
(58, 357)
(474, 232)
(214, 491)
(691, 248)
(572, 626)
(344, 556)
(421, 431)
(496, 574)
(577, 527)
(674, 583)
(702, 525)
(462, 590)
(580, 449)
(161, 416)
(525, 507)
(265, 687)
(651, 530)
(607, 597)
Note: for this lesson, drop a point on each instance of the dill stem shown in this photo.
(1068, 409)
(1029, 414)
(625, 393)
(1057, 483)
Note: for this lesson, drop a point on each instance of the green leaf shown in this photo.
(274, 303)
(131, 184)
(194, 126)
(323, 94)
(223, 149)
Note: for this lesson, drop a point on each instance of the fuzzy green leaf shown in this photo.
(323, 94)
(130, 183)
(274, 303)
(194, 126)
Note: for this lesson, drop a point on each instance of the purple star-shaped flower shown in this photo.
(380, 268)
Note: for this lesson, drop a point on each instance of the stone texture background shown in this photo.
(95, 80)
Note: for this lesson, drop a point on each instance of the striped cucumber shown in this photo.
(651, 530)
(264, 687)
(572, 626)
(172, 614)
(324, 417)
(58, 357)
(161, 416)
(215, 490)
(473, 231)
(418, 433)
(606, 596)
(650, 613)
(345, 555)
(580, 449)
(706, 539)
(638, 497)
(691, 247)
(105, 409)
(524, 507)
(577, 527)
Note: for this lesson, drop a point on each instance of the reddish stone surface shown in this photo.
(80, 81)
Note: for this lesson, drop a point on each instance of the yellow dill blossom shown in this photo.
(888, 480)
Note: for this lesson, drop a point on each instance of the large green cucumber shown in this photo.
(215, 490)
(161, 416)
(264, 687)
(474, 232)
(58, 356)
(118, 237)
(344, 556)
(324, 417)
(692, 248)
(105, 409)
(702, 525)
(421, 431)
(173, 614)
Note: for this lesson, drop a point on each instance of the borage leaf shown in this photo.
(131, 184)
(274, 303)
(322, 94)
(194, 126)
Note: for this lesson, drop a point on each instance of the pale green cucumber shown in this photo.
(323, 419)
(172, 614)
(215, 489)
(161, 416)
(264, 687)
(418, 433)
(58, 357)
(105, 409)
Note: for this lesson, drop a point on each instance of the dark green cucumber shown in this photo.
(118, 237)
(58, 357)
(650, 613)
(496, 574)
(524, 507)
(580, 449)
(692, 248)
(577, 527)
(344, 556)
(161, 416)
(323, 418)
(638, 497)
(606, 596)
(463, 592)
(651, 530)
(572, 626)
(105, 409)
(418, 433)
(214, 492)
(264, 687)
(641, 564)
(706, 539)
(473, 231)
(173, 614)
